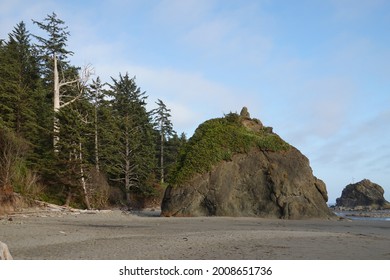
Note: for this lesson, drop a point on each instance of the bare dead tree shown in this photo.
(82, 178)
(80, 83)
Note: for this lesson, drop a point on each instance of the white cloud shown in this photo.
(184, 86)
(193, 97)
(328, 102)
(360, 150)
(184, 117)
(210, 34)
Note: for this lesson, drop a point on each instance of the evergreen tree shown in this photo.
(173, 147)
(20, 86)
(55, 45)
(132, 163)
(54, 55)
(164, 127)
(7, 99)
(73, 153)
(103, 132)
(96, 96)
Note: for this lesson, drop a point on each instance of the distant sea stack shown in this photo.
(364, 194)
(235, 166)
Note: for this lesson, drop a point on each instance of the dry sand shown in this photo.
(117, 235)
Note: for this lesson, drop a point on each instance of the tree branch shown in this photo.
(81, 82)
(68, 83)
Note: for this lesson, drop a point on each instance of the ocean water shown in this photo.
(380, 215)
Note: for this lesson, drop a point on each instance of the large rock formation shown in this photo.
(234, 166)
(362, 194)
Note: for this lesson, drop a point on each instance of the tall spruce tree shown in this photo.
(19, 83)
(172, 150)
(22, 106)
(133, 161)
(7, 98)
(73, 152)
(164, 127)
(96, 96)
(54, 56)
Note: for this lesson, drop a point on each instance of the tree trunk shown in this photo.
(68, 197)
(57, 97)
(83, 184)
(127, 168)
(162, 158)
(96, 143)
(56, 126)
(128, 200)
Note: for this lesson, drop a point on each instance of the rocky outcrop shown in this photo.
(364, 194)
(263, 182)
(245, 113)
(4, 252)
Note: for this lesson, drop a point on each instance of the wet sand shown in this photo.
(116, 235)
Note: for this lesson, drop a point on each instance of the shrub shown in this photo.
(218, 140)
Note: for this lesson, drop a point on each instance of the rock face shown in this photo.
(264, 182)
(362, 194)
(244, 113)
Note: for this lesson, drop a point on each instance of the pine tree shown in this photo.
(28, 83)
(164, 127)
(54, 55)
(96, 96)
(133, 161)
(18, 81)
(172, 152)
(73, 152)
(7, 98)
(20, 88)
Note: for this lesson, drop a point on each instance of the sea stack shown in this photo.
(235, 166)
(363, 194)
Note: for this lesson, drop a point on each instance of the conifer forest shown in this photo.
(69, 138)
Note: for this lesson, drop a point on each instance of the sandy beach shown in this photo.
(116, 235)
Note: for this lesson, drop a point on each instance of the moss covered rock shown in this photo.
(234, 166)
(218, 140)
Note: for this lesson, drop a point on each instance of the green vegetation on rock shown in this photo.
(219, 139)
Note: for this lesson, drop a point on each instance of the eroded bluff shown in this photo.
(261, 179)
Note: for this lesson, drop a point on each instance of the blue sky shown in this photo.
(317, 71)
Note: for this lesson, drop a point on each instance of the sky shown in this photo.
(317, 71)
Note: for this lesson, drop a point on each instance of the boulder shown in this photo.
(362, 194)
(244, 113)
(252, 172)
(4, 252)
